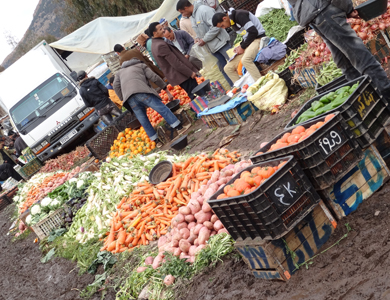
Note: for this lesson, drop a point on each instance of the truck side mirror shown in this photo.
(74, 75)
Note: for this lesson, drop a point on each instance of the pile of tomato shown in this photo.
(178, 94)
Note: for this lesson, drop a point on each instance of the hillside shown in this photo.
(46, 24)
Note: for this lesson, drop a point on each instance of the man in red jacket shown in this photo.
(176, 67)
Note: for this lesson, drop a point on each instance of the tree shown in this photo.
(77, 13)
(11, 39)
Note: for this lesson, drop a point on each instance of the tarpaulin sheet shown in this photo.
(227, 106)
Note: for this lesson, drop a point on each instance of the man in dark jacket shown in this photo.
(184, 42)
(131, 84)
(178, 69)
(328, 18)
(246, 52)
(19, 145)
(95, 94)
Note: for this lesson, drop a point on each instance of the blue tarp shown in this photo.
(241, 98)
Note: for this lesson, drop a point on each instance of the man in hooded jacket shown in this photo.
(131, 84)
(95, 94)
(329, 20)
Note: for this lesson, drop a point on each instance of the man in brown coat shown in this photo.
(125, 55)
(178, 69)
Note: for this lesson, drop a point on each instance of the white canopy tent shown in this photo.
(99, 36)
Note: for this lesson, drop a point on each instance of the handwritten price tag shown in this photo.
(285, 192)
(330, 142)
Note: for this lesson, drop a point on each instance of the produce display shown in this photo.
(327, 103)
(147, 212)
(249, 181)
(132, 142)
(66, 161)
(115, 180)
(277, 24)
(72, 189)
(290, 59)
(328, 73)
(297, 135)
(48, 184)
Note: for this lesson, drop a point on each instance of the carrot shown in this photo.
(143, 238)
(121, 237)
(187, 163)
(129, 239)
(174, 173)
(111, 246)
(121, 203)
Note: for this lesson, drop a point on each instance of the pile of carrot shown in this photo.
(147, 213)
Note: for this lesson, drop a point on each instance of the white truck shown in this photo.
(43, 101)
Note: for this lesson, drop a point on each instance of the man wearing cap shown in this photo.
(95, 94)
(184, 42)
(164, 23)
(178, 69)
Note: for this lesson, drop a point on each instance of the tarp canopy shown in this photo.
(100, 35)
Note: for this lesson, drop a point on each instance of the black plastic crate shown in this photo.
(297, 40)
(293, 86)
(249, 5)
(101, 143)
(4, 201)
(126, 120)
(331, 85)
(326, 155)
(273, 209)
(365, 111)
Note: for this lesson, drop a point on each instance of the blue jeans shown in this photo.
(140, 102)
(223, 58)
(348, 51)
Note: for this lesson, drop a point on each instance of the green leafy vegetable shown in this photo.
(277, 24)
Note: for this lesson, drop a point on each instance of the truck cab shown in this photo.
(43, 101)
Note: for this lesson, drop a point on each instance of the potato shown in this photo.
(189, 218)
(168, 236)
(223, 230)
(200, 199)
(218, 225)
(181, 225)
(204, 235)
(169, 279)
(214, 176)
(184, 246)
(196, 242)
(213, 233)
(195, 195)
(209, 225)
(184, 210)
(206, 207)
(214, 218)
(229, 172)
(178, 219)
(194, 206)
(162, 241)
(141, 269)
(191, 259)
(192, 238)
(222, 181)
(263, 144)
(177, 236)
(199, 248)
(183, 255)
(202, 217)
(197, 228)
(192, 250)
(185, 233)
(202, 189)
(191, 225)
(157, 261)
(175, 243)
(176, 251)
(149, 260)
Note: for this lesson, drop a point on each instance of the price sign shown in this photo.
(285, 192)
(364, 103)
(330, 142)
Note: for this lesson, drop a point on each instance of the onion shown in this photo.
(382, 26)
(374, 27)
(356, 27)
(317, 53)
(362, 35)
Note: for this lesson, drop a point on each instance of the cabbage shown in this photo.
(28, 219)
(45, 202)
(80, 183)
(55, 204)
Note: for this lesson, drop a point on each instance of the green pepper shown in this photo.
(325, 99)
(307, 115)
(354, 87)
(338, 102)
(316, 105)
(324, 109)
(342, 90)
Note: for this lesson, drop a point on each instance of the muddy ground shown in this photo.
(355, 269)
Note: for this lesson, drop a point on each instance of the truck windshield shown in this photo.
(36, 105)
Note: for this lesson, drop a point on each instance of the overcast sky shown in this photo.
(15, 17)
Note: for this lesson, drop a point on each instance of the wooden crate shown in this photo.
(240, 113)
(210, 122)
(53, 221)
(358, 184)
(220, 119)
(277, 259)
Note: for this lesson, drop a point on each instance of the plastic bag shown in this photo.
(274, 92)
(203, 54)
(266, 6)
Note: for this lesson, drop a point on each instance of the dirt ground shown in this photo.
(355, 269)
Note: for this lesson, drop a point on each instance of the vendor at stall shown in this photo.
(329, 20)
(240, 20)
(7, 170)
(20, 145)
(132, 85)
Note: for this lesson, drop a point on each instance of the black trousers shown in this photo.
(188, 86)
(7, 170)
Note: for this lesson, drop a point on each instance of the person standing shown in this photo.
(185, 24)
(19, 145)
(95, 94)
(131, 85)
(178, 69)
(329, 20)
(216, 39)
(246, 52)
(184, 42)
